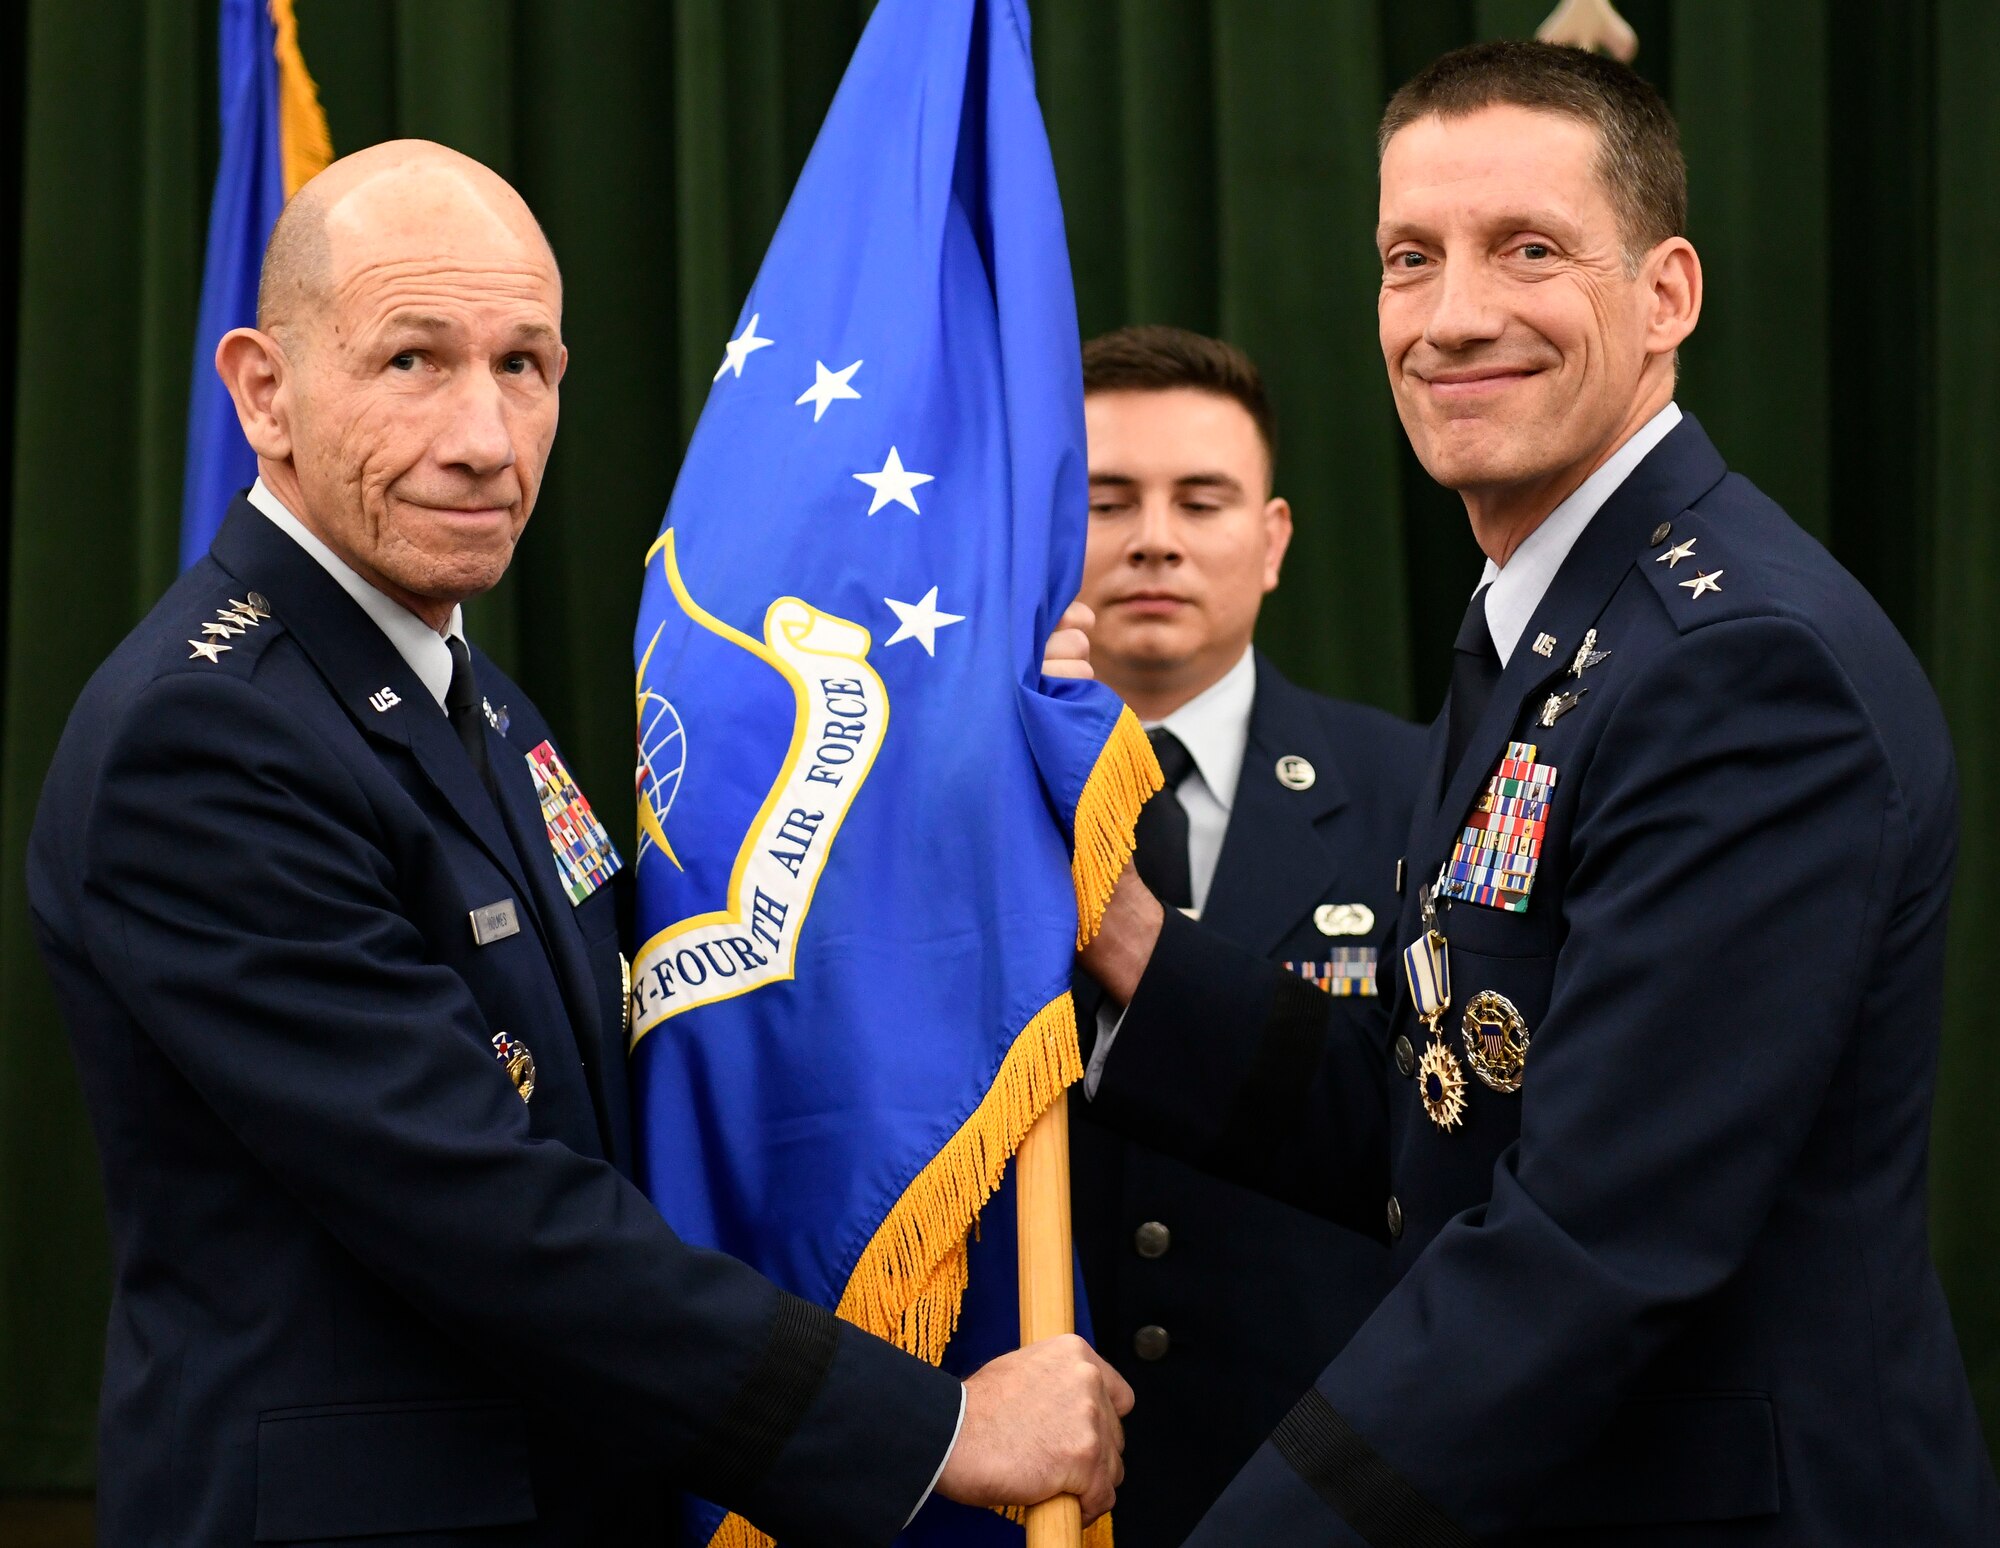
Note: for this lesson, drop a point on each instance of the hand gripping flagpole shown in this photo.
(1048, 1283)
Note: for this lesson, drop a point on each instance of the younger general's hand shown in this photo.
(1068, 651)
(1039, 1422)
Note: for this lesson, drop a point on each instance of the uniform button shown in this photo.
(1152, 1240)
(1395, 1221)
(1150, 1342)
(1406, 1056)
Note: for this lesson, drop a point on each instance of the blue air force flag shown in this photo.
(273, 138)
(868, 826)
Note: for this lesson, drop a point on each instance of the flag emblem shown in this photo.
(871, 834)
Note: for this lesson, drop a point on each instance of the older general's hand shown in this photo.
(1068, 651)
(1039, 1422)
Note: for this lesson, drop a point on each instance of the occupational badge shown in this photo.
(584, 854)
(1443, 1086)
(517, 1061)
(1498, 850)
(1344, 919)
(1496, 1040)
(1587, 655)
(1559, 705)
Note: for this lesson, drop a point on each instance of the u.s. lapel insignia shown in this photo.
(1544, 646)
(1500, 847)
(1442, 1085)
(1587, 655)
(1560, 704)
(384, 699)
(1496, 1040)
(517, 1061)
(1704, 583)
(585, 857)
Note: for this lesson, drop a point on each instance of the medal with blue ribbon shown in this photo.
(1427, 967)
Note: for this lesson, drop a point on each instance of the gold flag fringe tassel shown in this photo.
(1125, 777)
(305, 147)
(911, 1277)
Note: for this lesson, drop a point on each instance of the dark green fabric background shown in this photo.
(1217, 164)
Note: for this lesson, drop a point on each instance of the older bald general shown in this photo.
(400, 387)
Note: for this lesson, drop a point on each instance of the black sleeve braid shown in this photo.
(738, 1451)
(1351, 1476)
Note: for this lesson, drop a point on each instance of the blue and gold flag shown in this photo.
(273, 138)
(871, 834)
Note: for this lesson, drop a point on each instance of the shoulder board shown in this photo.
(1699, 577)
(228, 638)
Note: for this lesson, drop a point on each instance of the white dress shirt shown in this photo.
(1214, 726)
(1519, 585)
(429, 657)
(416, 642)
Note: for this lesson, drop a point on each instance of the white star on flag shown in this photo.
(738, 349)
(893, 483)
(827, 386)
(920, 621)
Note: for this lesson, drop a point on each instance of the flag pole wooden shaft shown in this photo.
(1048, 1282)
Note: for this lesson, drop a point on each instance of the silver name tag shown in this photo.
(495, 922)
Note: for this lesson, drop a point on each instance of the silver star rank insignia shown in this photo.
(1676, 554)
(220, 631)
(256, 608)
(209, 650)
(1704, 583)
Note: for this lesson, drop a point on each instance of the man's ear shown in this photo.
(1277, 538)
(253, 367)
(1676, 295)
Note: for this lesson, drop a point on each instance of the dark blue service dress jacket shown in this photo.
(1218, 1304)
(1675, 1289)
(364, 1291)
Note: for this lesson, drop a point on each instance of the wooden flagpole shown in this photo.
(1048, 1282)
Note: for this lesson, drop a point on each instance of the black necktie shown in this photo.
(1475, 668)
(1160, 851)
(462, 706)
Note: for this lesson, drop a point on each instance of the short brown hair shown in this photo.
(1639, 157)
(1155, 358)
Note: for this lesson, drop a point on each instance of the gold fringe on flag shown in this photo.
(1126, 776)
(911, 1277)
(304, 144)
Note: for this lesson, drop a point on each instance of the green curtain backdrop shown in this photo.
(1217, 164)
